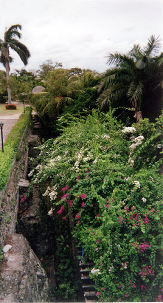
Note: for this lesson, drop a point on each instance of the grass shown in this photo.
(8, 112)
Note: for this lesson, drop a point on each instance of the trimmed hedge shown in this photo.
(11, 146)
(10, 106)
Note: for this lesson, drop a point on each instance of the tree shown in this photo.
(48, 66)
(22, 82)
(10, 41)
(133, 78)
(3, 91)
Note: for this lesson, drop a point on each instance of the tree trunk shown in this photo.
(7, 65)
(7, 79)
(138, 114)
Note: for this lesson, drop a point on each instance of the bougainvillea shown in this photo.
(110, 191)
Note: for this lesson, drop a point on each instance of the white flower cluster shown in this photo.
(127, 130)
(50, 212)
(159, 145)
(136, 183)
(144, 199)
(130, 161)
(31, 173)
(79, 156)
(138, 140)
(105, 136)
(51, 192)
(95, 271)
(87, 158)
(36, 180)
(110, 269)
(46, 193)
(95, 161)
(39, 167)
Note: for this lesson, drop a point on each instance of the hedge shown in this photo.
(11, 147)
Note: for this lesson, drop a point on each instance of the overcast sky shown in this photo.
(80, 33)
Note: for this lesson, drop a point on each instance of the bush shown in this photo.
(102, 178)
(10, 106)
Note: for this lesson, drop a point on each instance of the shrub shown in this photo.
(10, 106)
(98, 178)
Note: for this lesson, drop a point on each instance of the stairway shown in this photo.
(85, 267)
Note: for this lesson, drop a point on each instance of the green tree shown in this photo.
(46, 67)
(134, 77)
(3, 91)
(10, 41)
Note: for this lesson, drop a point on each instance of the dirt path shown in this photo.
(8, 123)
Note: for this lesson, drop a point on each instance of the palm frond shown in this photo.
(135, 91)
(21, 50)
(119, 59)
(12, 32)
(152, 46)
(136, 52)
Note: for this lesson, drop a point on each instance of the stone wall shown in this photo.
(22, 278)
(9, 197)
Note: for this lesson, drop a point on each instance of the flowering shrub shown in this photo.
(112, 203)
(10, 106)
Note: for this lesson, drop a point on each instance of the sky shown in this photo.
(80, 33)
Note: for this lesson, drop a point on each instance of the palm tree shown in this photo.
(132, 75)
(8, 42)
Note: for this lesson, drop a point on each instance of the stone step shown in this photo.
(91, 293)
(85, 277)
(23, 183)
(85, 264)
(88, 286)
(85, 270)
(88, 300)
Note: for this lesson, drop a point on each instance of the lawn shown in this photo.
(7, 112)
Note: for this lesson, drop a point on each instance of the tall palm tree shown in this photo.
(132, 75)
(10, 41)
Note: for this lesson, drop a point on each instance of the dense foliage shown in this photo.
(66, 91)
(134, 79)
(11, 147)
(103, 178)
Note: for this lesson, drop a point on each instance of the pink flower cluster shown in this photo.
(132, 284)
(120, 220)
(146, 271)
(61, 210)
(83, 196)
(64, 196)
(159, 298)
(135, 217)
(23, 199)
(64, 188)
(107, 205)
(143, 287)
(77, 216)
(142, 246)
(146, 220)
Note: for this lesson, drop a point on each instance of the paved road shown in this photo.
(8, 121)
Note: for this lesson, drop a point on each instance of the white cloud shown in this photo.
(80, 32)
